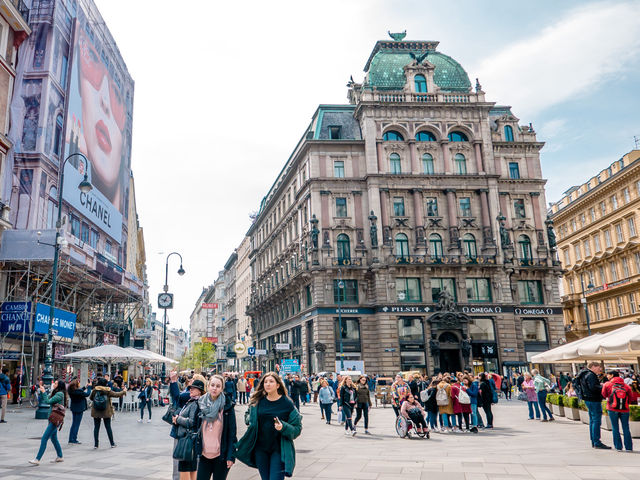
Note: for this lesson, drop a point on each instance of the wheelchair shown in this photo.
(405, 428)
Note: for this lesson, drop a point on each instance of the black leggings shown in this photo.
(418, 419)
(487, 412)
(242, 398)
(96, 430)
(466, 420)
(347, 411)
(362, 409)
(214, 466)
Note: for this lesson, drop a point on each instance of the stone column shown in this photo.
(454, 234)
(384, 214)
(418, 211)
(479, 161)
(448, 168)
(487, 236)
(412, 155)
(381, 159)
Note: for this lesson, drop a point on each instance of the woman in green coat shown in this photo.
(274, 422)
(58, 396)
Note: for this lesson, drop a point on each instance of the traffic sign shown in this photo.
(251, 351)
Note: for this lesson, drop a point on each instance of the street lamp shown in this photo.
(166, 289)
(583, 300)
(340, 289)
(85, 187)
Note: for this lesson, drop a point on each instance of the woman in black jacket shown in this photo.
(363, 402)
(486, 398)
(431, 406)
(187, 421)
(218, 432)
(347, 395)
(145, 396)
(78, 405)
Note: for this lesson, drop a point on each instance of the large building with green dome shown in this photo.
(407, 230)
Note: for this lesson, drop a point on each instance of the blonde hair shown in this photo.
(197, 376)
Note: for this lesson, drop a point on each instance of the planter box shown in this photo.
(584, 416)
(635, 429)
(573, 413)
(558, 410)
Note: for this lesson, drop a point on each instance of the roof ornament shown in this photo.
(398, 37)
(419, 58)
(478, 86)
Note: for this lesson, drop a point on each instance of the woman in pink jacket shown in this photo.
(532, 397)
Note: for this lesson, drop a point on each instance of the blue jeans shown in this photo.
(326, 409)
(433, 419)
(476, 419)
(50, 433)
(145, 403)
(269, 465)
(533, 405)
(75, 427)
(542, 402)
(595, 420)
(615, 429)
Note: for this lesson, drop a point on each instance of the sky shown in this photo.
(224, 90)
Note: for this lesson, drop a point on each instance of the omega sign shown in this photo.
(480, 309)
(533, 311)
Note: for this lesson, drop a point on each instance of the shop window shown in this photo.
(534, 331)
(530, 292)
(392, 136)
(410, 330)
(481, 329)
(420, 84)
(439, 284)
(478, 290)
(348, 293)
(412, 359)
(349, 332)
(408, 290)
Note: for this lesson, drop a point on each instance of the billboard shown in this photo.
(64, 322)
(98, 124)
(15, 317)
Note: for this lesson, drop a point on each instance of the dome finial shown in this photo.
(398, 37)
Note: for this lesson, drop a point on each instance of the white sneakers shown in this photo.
(34, 462)
(139, 420)
(149, 421)
(57, 460)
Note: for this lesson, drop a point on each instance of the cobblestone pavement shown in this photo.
(515, 449)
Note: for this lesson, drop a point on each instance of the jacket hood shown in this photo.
(617, 380)
(103, 389)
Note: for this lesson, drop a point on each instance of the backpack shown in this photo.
(619, 398)
(577, 384)
(424, 396)
(463, 398)
(100, 401)
(442, 399)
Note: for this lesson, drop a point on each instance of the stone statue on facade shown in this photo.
(465, 346)
(373, 229)
(314, 232)
(505, 241)
(434, 346)
(551, 235)
(446, 302)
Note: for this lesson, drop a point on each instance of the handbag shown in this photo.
(186, 447)
(522, 397)
(169, 414)
(57, 415)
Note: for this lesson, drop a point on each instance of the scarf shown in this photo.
(211, 409)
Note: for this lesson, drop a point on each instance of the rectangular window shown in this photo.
(465, 207)
(614, 202)
(514, 170)
(432, 207)
(625, 267)
(75, 226)
(478, 290)
(607, 306)
(583, 220)
(439, 284)
(603, 209)
(518, 208)
(338, 169)
(341, 207)
(567, 257)
(576, 251)
(85, 233)
(398, 207)
(620, 306)
(95, 237)
(408, 290)
(596, 241)
(592, 214)
(574, 225)
(631, 223)
(607, 238)
(614, 271)
(530, 291)
(626, 196)
(596, 307)
(603, 276)
(534, 331)
(63, 71)
(308, 297)
(348, 293)
(637, 259)
(619, 234)
(108, 247)
(632, 302)
(587, 249)
(592, 277)
(334, 132)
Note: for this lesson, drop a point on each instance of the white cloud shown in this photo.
(566, 59)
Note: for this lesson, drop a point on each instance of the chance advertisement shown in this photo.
(15, 317)
(98, 124)
(64, 322)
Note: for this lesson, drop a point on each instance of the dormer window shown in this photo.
(420, 84)
(392, 136)
(508, 134)
(334, 132)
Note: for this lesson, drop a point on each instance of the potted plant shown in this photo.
(634, 420)
(571, 407)
(555, 401)
(584, 412)
(606, 421)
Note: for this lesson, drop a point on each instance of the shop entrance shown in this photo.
(450, 361)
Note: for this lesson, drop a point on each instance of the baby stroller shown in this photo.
(405, 426)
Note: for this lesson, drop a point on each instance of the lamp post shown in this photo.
(583, 300)
(164, 328)
(340, 289)
(85, 187)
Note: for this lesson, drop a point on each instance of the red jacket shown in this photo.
(457, 406)
(607, 389)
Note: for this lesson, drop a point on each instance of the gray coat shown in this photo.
(188, 418)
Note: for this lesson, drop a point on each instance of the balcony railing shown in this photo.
(532, 262)
(346, 262)
(409, 259)
(22, 8)
(443, 259)
(480, 259)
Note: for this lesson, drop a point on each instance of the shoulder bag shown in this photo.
(169, 414)
(57, 415)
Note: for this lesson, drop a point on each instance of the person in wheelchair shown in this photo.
(412, 410)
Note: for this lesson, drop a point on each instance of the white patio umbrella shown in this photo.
(559, 354)
(150, 356)
(105, 353)
(616, 343)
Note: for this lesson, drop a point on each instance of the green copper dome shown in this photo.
(386, 63)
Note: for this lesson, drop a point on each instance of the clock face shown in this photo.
(165, 300)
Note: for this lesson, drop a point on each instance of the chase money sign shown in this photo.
(64, 322)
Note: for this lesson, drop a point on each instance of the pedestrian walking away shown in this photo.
(145, 397)
(618, 396)
(485, 398)
(187, 422)
(78, 397)
(273, 423)
(363, 402)
(58, 401)
(102, 409)
(218, 432)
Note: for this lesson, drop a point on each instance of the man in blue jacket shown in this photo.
(5, 388)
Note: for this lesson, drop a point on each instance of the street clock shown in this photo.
(165, 300)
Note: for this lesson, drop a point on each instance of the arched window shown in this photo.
(460, 164)
(427, 164)
(425, 137)
(524, 245)
(469, 244)
(435, 243)
(395, 163)
(392, 136)
(344, 248)
(52, 208)
(421, 84)
(508, 133)
(458, 137)
(402, 245)
(57, 138)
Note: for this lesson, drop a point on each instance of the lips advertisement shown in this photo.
(98, 125)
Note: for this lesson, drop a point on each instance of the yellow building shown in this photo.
(599, 247)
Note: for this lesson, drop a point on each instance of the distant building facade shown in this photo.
(597, 225)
